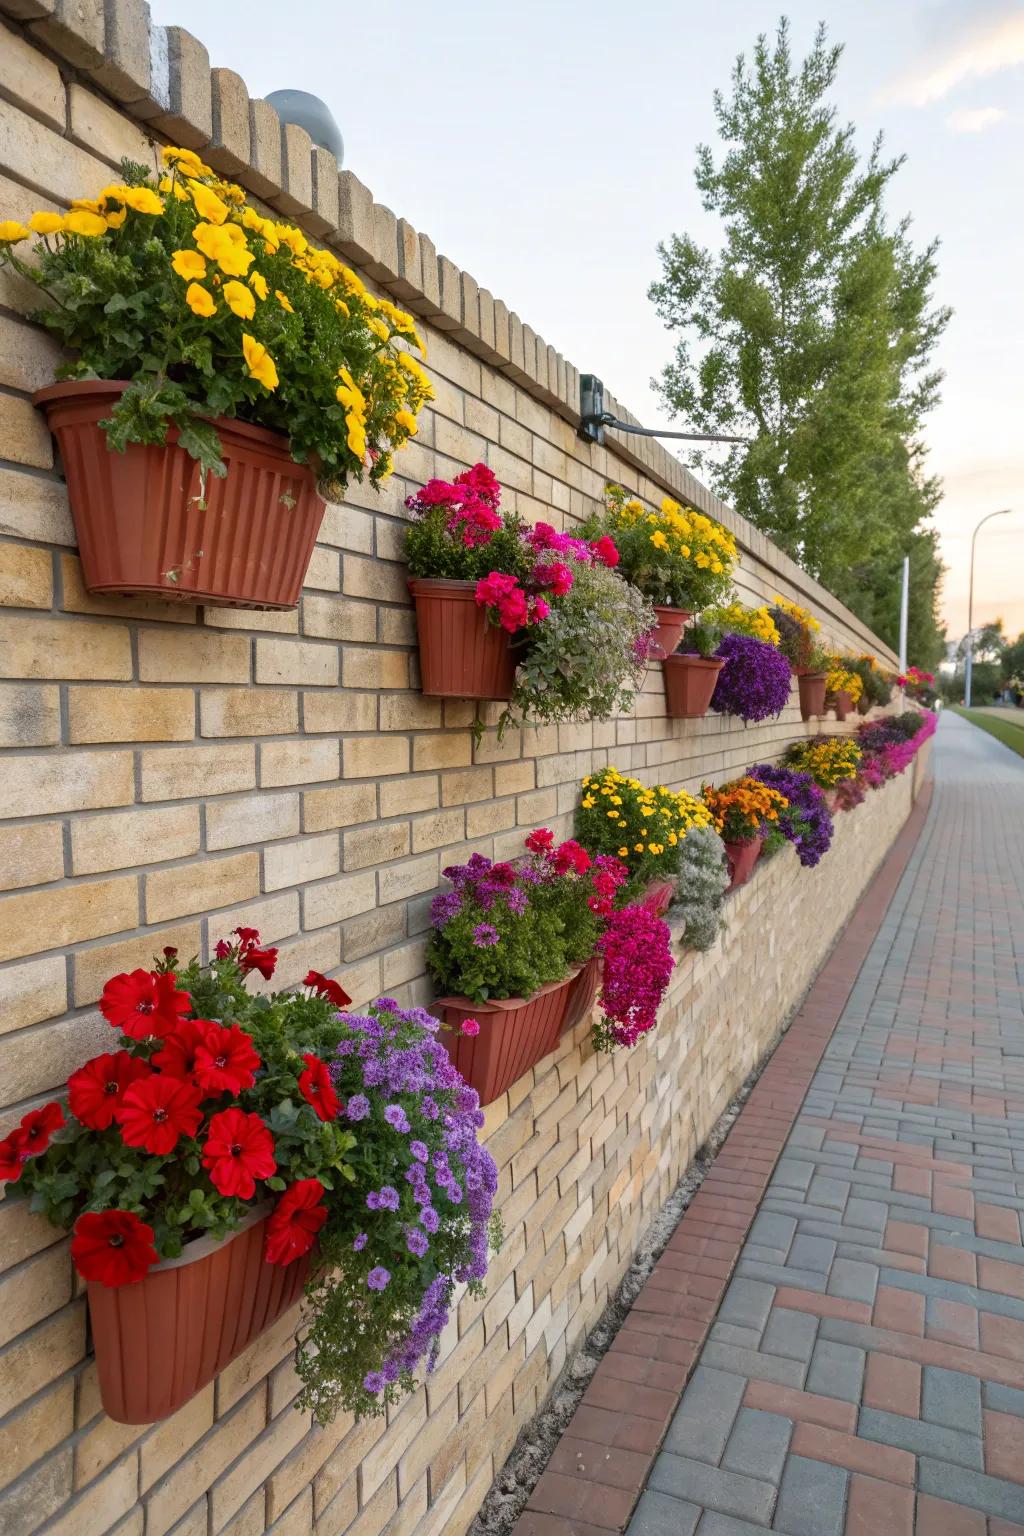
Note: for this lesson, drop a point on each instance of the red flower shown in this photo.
(248, 938)
(326, 988)
(157, 1111)
(28, 1139)
(113, 1247)
(540, 841)
(96, 1091)
(317, 1089)
(297, 1218)
(143, 1003)
(225, 1060)
(177, 1056)
(570, 856)
(262, 960)
(606, 551)
(239, 1150)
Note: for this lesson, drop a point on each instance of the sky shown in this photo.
(548, 147)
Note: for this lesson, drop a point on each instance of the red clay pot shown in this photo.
(583, 993)
(842, 704)
(137, 515)
(159, 1342)
(462, 654)
(689, 684)
(671, 623)
(741, 858)
(658, 896)
(812, 693)
(515, 1033)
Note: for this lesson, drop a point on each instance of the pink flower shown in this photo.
(470, 1027)
(506, 597)
(637, 966)
(558, 577)
(606, 551)
(569, 856)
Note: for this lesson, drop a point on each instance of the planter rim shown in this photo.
(69, 389)
(507, 1004)
(451, 585)
(691, 659)
(200, 1247)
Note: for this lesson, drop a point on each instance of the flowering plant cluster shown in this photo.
(889, 745)
(875, 682)
(637, 964)
(211, 1100)
(806, 822)
(417, 1216)
(735, 619)
(458, 532)
(677, 556)
(841, 678)
(797, 628)
(641, 826)
(174, 282)
(754, 684)
(744, 808)
(506, 929)
(919, 685)
(828, 759)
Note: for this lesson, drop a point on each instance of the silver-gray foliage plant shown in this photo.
(703, 877)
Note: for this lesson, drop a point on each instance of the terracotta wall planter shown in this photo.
(159, 1342)
(139, 524)
(658, 896)
(583, 992)
(689, 685)
(515, 1033)
(741, 858)
(842, 704)
(462, 654)
(671, 623)
(812, 693)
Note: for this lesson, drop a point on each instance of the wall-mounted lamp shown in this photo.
(594, 418)
(308, 111)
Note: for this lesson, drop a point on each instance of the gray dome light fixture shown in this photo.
(309, 112)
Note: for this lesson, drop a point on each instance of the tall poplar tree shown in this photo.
(811, 331)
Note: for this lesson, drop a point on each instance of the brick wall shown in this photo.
(170, 771)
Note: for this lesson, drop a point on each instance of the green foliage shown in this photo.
(811, 330)
(432, 552)
(530, 952)
(702, 638)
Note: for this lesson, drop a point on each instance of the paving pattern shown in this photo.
(864, 1372)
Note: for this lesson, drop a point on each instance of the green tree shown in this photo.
(811, 331)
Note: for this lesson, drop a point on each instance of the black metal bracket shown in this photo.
(594, 418)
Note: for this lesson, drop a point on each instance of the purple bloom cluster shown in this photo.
(430, 1226)
(755, 681)
(807, 823)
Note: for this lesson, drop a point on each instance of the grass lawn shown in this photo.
(1007, 728)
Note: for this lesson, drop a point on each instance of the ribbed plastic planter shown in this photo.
(515, 1033)
(160, 1341)
(671, 623)
(689, 685)
(657, 896)
(842, 704)
(141, 528)
(462, 654)
(741, 858)
(812, 693)
(583, 992)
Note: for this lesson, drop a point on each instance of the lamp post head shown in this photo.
(309, 112)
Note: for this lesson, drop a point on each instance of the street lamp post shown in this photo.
(969, 658)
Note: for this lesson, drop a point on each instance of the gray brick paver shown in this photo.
(945, 974)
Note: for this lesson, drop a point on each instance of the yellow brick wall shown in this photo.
(169, 772)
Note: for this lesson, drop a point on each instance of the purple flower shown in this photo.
(485, 936)
(807, 821)
(360, 1242)
(358, 1107)
(517, 901)
(430, 1219)
(387, 1198)
(444, 907)
(373, 1381)
(420, 1151)
(395, 1116)
(416, 1242)
(379, 1278)
(755, 681)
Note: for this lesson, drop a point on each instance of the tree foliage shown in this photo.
(811, 330)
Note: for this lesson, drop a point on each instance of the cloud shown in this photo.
(975, 120)
(995, 45)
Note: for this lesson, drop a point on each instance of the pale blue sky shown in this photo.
(548, 147)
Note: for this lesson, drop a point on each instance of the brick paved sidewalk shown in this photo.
(862, 1373)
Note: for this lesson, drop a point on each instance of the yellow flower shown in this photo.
(11, 232)
(224, 244)
(258, 284)
(407, 420)
(199, 301)
(284, 301)
(259, 361)
(379, 329)
(638, 847)
(80, 222)
(46, 223)
(168, 185)
(623, 853)
(208, 204)
(588, 802)
(189, 265)
(89, 204)
(186, 160)
(240, 300)
(115, 220)
(141, 199)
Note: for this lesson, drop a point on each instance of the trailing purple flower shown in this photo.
(806, 822)
(754, 684)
